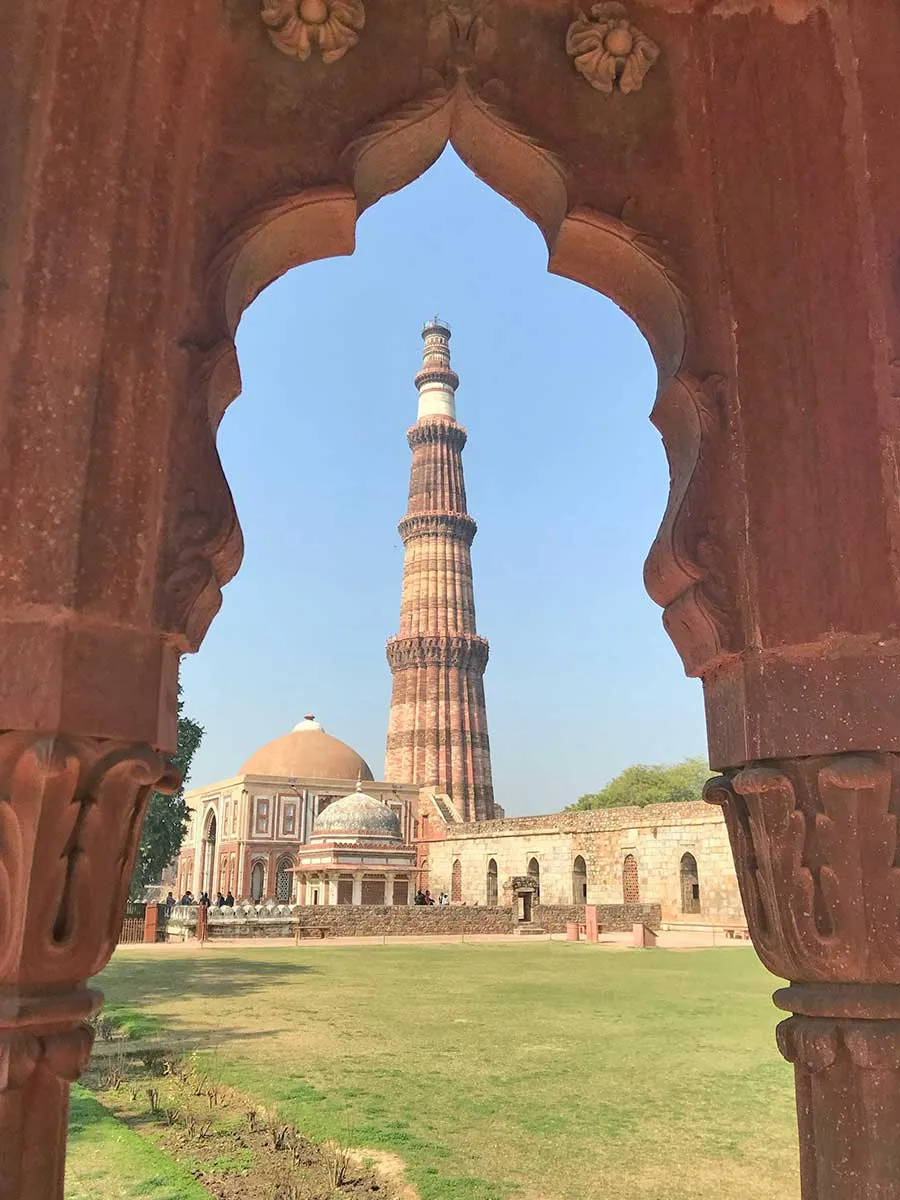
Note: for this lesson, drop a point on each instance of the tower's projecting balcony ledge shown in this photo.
(443, 650)
(458, 526)
(434, 431)
(437, 374)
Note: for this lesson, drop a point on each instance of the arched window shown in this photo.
(631, 888)
(208, 872)
(690, 884)
(456, 880)
(283, 877)
(579, 881)
(492, 882)
(534, 871)
(257, 882)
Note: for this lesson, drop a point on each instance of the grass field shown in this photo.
(106, 1159)
(535, 1072)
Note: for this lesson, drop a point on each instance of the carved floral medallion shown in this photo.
(608, 50)
(297, 27)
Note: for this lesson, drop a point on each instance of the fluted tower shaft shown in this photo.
(437, 736)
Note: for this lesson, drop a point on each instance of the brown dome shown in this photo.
(307, 752)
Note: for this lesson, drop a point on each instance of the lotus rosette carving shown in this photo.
(297, 27)
(608, 50)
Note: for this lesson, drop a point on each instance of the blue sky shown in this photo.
(565, 476)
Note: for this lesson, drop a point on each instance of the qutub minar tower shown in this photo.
(437, 736)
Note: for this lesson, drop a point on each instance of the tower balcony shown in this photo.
(464, 650)
(460, 527)
(437, 374)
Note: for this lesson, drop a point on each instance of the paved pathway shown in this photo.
(668, 940)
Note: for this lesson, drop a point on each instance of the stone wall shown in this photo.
(613, 918)
(342, 920)
(657, 836)
(345, 920)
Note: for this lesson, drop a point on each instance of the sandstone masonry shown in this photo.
(437, 735)
(661, 841)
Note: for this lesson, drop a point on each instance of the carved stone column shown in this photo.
(816, 847)
(70, 820)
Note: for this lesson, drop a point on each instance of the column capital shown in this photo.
(815, 842)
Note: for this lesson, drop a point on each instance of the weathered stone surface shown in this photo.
(70, 821)
(656, 837)
(742, 204)
(815, 845)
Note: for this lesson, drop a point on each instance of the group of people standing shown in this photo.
(427, 898)
(204, 901)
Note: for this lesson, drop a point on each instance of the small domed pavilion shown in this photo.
(356, 854)
(248, 834)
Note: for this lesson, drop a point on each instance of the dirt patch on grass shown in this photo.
(236, 1148)
(388, 1167)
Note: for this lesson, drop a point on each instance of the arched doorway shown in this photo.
(456, 880)
(690, 884)
(284, 875)
(534, 872)
(208, 877)
(579, 881)
(631, 888)
(257, 882)
(491, 891)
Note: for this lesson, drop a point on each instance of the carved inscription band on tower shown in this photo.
(438, 735)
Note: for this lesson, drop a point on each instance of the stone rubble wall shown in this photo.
(346, 920)
(613, 918)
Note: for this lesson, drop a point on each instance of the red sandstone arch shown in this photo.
(757, 160)
(587, 246)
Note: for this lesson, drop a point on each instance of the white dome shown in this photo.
(357, 817)
(309, 722)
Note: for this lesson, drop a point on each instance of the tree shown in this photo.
(644, 784)
(166, 818)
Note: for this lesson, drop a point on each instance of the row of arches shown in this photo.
(689, 878)
(226, 878)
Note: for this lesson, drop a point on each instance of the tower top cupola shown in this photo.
(437, 381)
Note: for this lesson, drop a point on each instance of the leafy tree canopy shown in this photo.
(644, 784)
(166, 818)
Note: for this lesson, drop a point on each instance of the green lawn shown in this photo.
(106, 1159)
(535, 1072)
